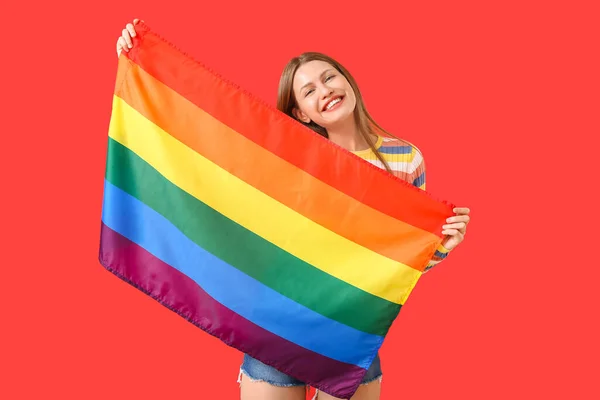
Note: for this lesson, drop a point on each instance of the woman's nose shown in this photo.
(325, 90)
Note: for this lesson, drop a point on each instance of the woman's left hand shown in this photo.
(456, 228)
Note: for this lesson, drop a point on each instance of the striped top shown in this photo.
(407, 163)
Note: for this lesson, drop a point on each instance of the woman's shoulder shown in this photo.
(395, 145)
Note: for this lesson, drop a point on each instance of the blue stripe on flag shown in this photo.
(235, 290)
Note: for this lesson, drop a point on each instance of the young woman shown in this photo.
(321, 94)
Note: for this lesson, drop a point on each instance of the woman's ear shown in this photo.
(300, 115)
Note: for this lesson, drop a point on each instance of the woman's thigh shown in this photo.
(259, 381)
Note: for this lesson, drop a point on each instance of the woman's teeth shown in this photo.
(333, 103)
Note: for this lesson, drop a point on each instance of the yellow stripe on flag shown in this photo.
(259, 213)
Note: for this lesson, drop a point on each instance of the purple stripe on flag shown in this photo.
(182, 295)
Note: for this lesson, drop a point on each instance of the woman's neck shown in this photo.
(348, 136)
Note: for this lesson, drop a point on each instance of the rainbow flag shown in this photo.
(253, 227)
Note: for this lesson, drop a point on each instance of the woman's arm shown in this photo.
(456, 226)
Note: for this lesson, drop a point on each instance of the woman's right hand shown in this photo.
(124, 42)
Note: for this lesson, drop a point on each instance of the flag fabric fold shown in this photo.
(251, 226)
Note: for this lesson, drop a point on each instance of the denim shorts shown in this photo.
(258, 371)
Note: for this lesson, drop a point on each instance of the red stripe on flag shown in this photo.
(285, 137)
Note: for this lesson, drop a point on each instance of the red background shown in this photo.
(501, 98)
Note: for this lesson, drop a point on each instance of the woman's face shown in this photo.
(323, 94)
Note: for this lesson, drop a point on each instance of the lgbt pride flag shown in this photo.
(251, 226)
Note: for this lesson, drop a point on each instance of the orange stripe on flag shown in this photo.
(272, 175)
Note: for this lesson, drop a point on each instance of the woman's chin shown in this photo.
(339, 118)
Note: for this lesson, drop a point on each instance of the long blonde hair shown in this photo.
(286, 101)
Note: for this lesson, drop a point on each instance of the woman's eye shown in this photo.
(308, 92)
(329, 78)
